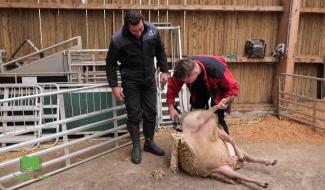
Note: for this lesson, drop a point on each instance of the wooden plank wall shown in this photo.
(209, 32)
(310, 43)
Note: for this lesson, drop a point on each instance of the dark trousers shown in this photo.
(140, 101)
(202, 102)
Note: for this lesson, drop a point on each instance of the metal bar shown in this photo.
(62, 158)
(37, 74)
(87, 50)
(302, 121)
(47, 125)
(300, 104)
(78, 38)
(62, 146)
(301, 96)
(306, 114)
(179, 43)
(72, 165)
(40, 25)
(302, 113)
(302, 76)
(52, 136)
(64, 128)
(52, 93)
(279, 96)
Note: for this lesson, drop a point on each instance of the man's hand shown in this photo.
(118, 93)
(172, 112)
(223, 104)
(163, 79)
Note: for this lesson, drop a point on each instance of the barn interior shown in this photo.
(56, 105)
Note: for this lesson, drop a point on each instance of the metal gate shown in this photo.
(305, 101)
(81, 108)
(51, 113)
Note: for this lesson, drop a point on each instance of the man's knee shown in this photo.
(150, 117)
(134, 119)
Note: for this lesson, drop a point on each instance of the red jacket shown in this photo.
(216, 76)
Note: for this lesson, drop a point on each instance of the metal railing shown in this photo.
(16, 115)
(305, 101)
(78, 109)
(88, 65)
(77, 39)
(181, 101)
(82, 108)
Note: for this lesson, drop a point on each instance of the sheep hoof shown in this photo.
(273, 162)
(265, 185)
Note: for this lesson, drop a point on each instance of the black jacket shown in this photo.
(135, 55)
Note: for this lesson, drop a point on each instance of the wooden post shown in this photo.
(184, 30)
(287, 33)
(293, 34)
(323, 82)
(113, 19)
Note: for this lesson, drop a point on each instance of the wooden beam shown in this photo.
(312, 10)
(292, 40)
(253, 107)
(281, 38)
(223, 8)
(287, 33)
(308, 59)
(268, 59)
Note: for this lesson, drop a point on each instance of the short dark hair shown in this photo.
(183, 68)
(132, 17)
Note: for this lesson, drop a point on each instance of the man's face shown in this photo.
(136, 30)
(191, 78)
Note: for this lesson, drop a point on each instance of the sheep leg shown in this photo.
(225, 137)
(229, 172)
(252, 159)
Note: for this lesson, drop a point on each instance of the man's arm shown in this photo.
(111, 65)
(161, 61)
(227, 85)
(230, 89)
(230, 84)
(161, 54)
(173, 88)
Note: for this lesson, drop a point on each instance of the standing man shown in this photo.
(206, 77)
(135, 45)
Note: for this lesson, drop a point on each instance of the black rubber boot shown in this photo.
(135, 136)
(150, 146)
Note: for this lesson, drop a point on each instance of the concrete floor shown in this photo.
(300, 166)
